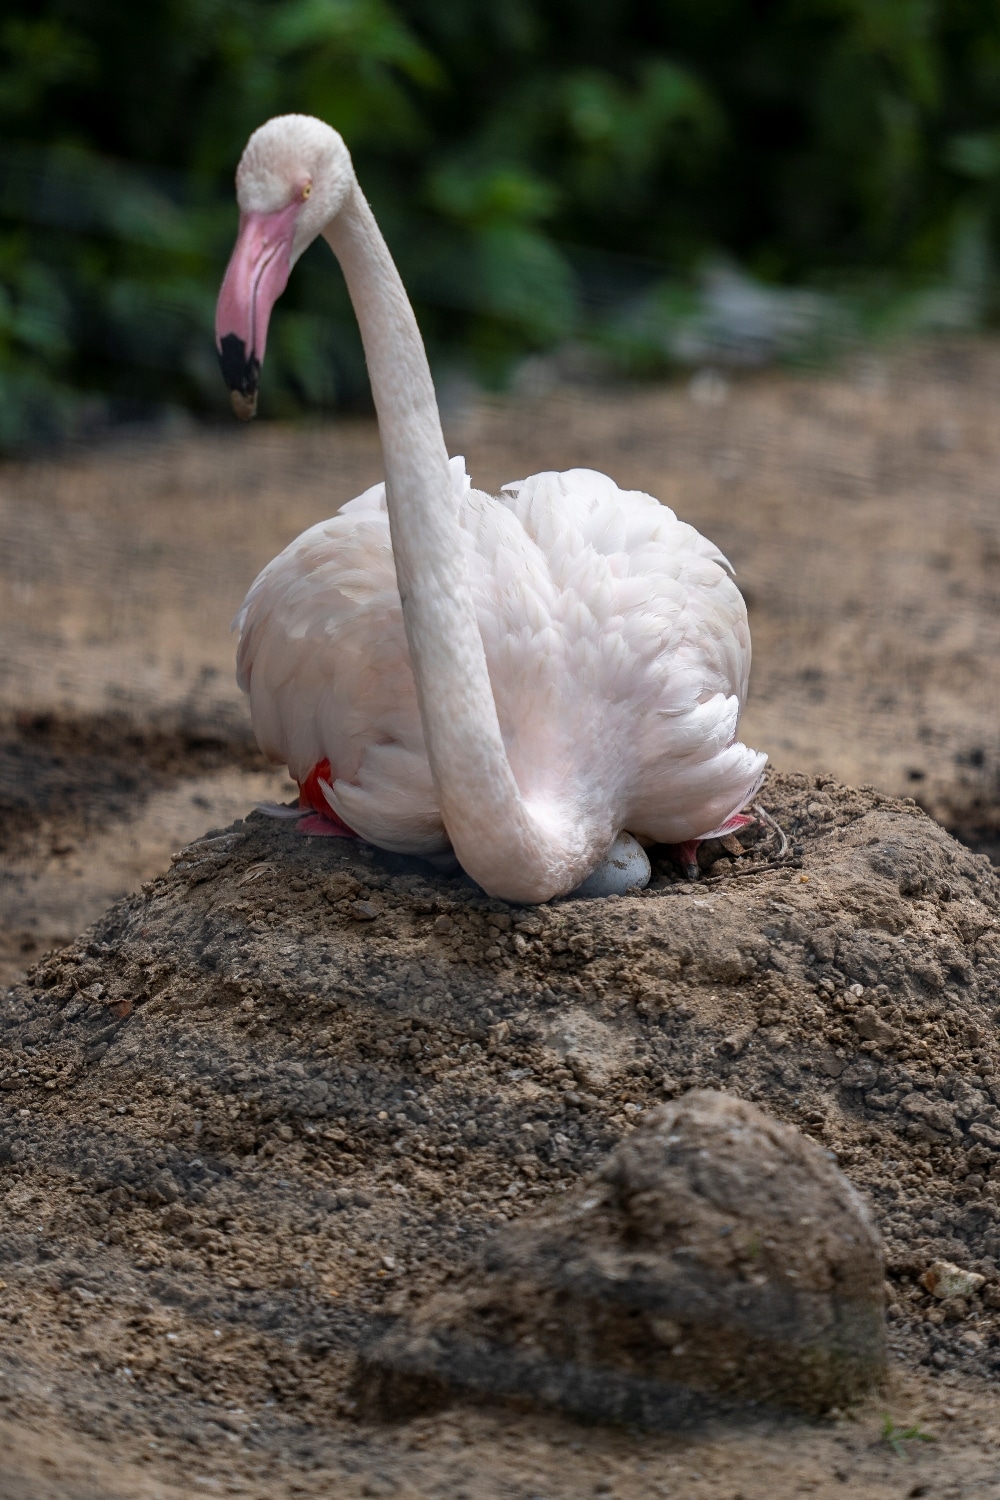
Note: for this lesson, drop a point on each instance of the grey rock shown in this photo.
(717, 1258)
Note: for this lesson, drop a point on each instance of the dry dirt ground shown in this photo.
(203, 1210)
(279, 1095)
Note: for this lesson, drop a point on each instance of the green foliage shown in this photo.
(543, 171)
(897, 1435)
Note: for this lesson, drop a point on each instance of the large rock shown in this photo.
(717, 1258)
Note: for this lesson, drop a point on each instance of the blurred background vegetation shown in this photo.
(619, 186)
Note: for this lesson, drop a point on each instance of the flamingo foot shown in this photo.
(320, 820)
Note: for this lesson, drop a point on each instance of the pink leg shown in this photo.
(324, 826)
(686, 854)
(320, 820)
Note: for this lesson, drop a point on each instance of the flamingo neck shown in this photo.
(513, 850)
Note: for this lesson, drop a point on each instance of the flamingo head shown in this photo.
(293, 178)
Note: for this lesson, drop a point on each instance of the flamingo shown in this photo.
(542, 682)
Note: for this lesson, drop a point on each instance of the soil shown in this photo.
(281, 1094)
(205, 1215)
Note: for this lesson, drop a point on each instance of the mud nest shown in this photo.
(286, 1090)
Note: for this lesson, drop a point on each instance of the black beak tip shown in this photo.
(242, 375)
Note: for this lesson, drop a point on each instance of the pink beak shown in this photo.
(255, 278)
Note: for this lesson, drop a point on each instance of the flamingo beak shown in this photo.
(255, 278)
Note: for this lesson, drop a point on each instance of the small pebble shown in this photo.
(943, 1279)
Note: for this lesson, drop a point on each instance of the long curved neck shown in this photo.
(499, 840)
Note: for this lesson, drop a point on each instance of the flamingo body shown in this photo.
(617, 646)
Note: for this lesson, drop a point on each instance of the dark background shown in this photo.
(550, 174)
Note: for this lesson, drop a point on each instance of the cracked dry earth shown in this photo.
(276, 1098)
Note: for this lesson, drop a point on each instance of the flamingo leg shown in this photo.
(320, 820)
(324, 826)
(686, 854)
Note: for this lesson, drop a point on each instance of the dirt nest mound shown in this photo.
(283, 1091)
(715, 1252)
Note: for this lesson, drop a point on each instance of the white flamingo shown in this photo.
(542, 681)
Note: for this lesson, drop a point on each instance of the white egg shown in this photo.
(624, 867)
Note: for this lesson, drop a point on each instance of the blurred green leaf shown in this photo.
(364, 29)
(976, 156)
(545, 173)
(490, 194)
(36, 55)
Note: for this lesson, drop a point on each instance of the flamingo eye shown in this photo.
(307, 189)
